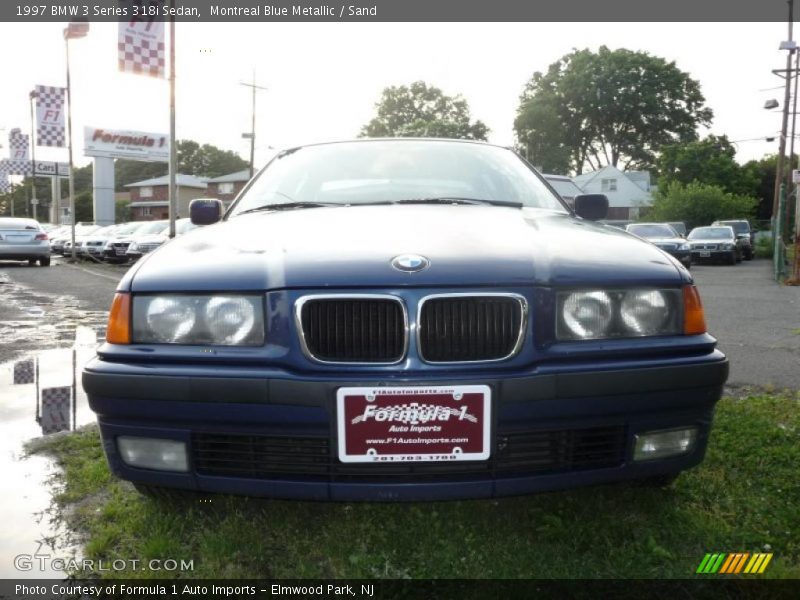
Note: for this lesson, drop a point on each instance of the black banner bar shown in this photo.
(194, 11)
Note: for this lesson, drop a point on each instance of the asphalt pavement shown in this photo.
(756, 321)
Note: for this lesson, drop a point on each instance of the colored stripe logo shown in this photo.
(722, 563)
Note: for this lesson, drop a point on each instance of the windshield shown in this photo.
(394, 170)
(128, 228)
(152, 227)
(711, 233)
(652, 231)
(738, 226)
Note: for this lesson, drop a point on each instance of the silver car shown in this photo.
(24, 239)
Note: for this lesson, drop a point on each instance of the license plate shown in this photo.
(18, 238)
(413, 424)
(120, 251)
(705, 254)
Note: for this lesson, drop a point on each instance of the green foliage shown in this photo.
(612, 107)
(207, 160)
(764, 247)
(710, 161)
(84, 207)
(420, 110)
(698, 204)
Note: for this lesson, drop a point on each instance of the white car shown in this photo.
(24, 239)
(148, 243)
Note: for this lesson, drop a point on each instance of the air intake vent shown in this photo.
(358, 330)
(470, 328)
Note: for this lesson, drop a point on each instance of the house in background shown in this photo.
(628, 192)
(150, 198)
(226, 187)
(565, 187)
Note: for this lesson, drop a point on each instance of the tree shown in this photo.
(710, 160)
(607, 108)
(207, 160)
(699, 204)
(420, 110)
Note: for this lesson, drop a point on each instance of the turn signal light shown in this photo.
(694, 321)
(41, 236)
(119, 320)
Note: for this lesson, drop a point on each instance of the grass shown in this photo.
(744, 497)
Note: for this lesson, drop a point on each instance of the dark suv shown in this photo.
(741, 228)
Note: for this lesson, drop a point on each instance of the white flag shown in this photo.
(140, 47)
(50, 103)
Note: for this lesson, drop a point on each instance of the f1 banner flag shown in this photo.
(140, 47)
(17, 145)
(50, 103)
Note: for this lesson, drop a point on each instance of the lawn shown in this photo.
(745, 497)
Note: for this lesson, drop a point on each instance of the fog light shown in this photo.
(153, 453)
(660, 444)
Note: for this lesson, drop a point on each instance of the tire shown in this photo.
(31, 262)
(44, 261)
(749, 255)
(732, 258)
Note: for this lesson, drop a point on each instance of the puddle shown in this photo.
(40, 395)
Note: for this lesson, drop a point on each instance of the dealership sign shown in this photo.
(46, 168)
(133, 145)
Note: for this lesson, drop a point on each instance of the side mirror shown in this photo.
(591, 207)
(205, 211)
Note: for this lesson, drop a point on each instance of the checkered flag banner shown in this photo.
(50, 103)
(56, 409)
(17, 145)
(12, 167)
(140, 47)
(23, 371)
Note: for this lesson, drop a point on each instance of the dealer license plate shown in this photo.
(413, 424)
(705, 254)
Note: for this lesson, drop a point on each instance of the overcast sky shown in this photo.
(324, 78)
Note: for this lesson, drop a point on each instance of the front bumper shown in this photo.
(550, 418)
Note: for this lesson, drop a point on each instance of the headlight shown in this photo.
(587, 314)
(685, 247)
(132, 247)
(726, 246)
(600, 314)
(183, 319)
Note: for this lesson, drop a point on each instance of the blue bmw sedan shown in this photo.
(403, 319)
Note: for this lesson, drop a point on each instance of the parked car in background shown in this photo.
(93, 243)
(58, 244)
(403, 319)
(679, 227)
(666, 238)
(618, 223)
(148, 243)
(744, 233)
(115, 247)
(715, 243)
(24, 239)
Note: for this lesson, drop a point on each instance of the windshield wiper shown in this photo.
(288, 206)
(458, 200)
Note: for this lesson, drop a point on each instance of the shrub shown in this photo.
(698, 204)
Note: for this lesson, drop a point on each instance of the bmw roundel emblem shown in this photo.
(410, 263)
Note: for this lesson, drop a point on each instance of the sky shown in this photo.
(324, 79)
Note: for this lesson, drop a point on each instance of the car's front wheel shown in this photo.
(732, 258)
(44, 261)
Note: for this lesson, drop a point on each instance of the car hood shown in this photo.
(710, 241)
(678, 241)
(152, 238)
(354, 246)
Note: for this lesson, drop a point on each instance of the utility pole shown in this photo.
(173, 151)
(34, 201)
(252, 134)
(785, 121)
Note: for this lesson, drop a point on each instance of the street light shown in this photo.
(73, 31)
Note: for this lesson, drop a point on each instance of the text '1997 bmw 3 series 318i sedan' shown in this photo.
(403, 320)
